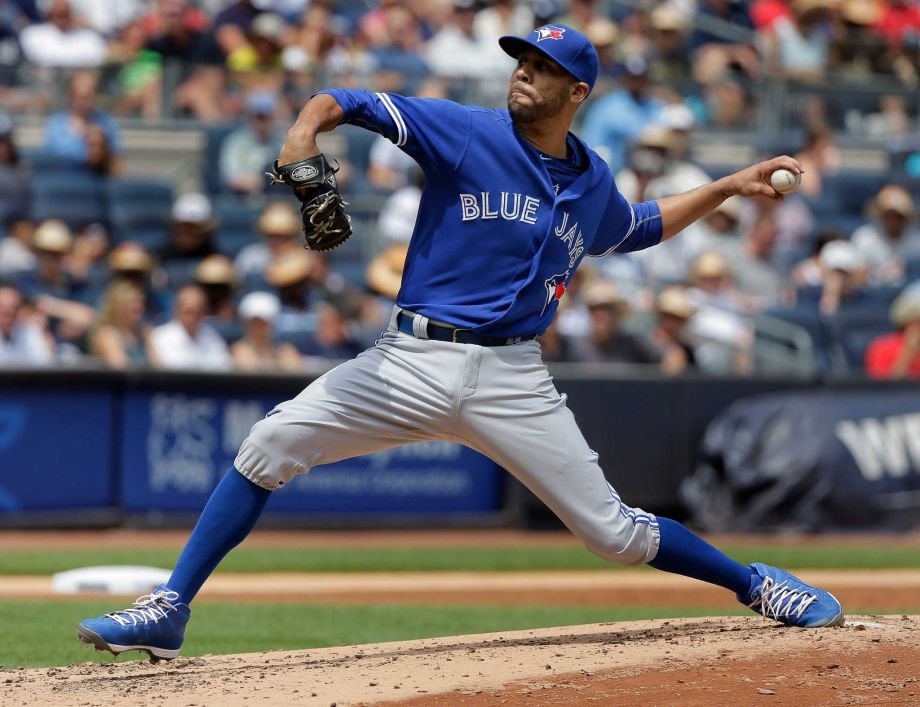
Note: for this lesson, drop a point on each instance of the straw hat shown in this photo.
(894, 198)
(52, 236)
(130, 257)
(279, 217)
(600, 293)
(709, 264)
(215, 270)
(676, 302)
(292, 265)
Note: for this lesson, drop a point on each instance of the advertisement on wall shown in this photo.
(55, 450)
(177, 446)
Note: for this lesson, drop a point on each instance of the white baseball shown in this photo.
(785, 181)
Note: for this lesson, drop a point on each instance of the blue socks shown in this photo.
(229, 516)
(683, 552)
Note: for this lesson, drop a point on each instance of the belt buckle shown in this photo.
(453, 335)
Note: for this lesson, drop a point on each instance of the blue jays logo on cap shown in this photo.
(570, 49)
(549, 32)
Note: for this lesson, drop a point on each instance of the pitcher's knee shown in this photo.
(629, 543)
(267, 457)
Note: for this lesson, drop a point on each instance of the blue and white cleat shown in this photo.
(781, 596)
(155, 625)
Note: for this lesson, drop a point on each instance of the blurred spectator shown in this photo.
(289, 273)
(725, 337)
(716, 231)
(257, 62)
(232, 24)
(248, 151)
(498, 18)
(654, 170)
(67, 133)
(721, 41)
(121, 336)
(726, 104)
(764, 13)
(60, 41)
(753, 264)
(670, 335)
(107, 17)
(14, 193)
(52, 288)
(891, 238)
(607, 341)
(192, 235)
(555, 347)
(843, 273)
(16, 256)
(334, 337)
(604, 34)
(140, 86)
(256, 351)
(456, 52)
(899, 23)
(808, 272)
(820, 158)
(614, 120)
(22, 343)
(187, 341)
(100, 160)
(217, 278)
(130, 262)
(280, 226)
(670, 56)
(857, 52)
(798, 47)
(316, 44)
(190, 53)
(395, 46)
(897, 355)
(384, 272)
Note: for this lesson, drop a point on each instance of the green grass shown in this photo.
(470, 558)
(43, 633)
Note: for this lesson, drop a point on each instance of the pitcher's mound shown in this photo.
(715, 661)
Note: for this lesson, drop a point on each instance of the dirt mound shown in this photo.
(688, 661)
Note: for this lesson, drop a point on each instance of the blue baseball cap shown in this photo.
(569, 48)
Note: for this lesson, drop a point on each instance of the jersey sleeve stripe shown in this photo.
(632, 227)
(401, 132)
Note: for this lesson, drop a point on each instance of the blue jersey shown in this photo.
(494, 245)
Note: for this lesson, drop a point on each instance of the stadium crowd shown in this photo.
(96, 266)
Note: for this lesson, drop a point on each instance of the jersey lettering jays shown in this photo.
(495, 245)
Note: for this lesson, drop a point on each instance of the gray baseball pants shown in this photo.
(499, 401)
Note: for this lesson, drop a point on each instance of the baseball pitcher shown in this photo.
(513, 202)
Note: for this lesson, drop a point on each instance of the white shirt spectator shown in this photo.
(26, 346)
(397, 218)
(15, 258)
(109, 17)
(385, 155)
(886, 257)
(46, 45)
(176, 348)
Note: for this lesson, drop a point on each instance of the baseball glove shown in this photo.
(325, 223)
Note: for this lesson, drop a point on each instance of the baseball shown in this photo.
(785, 181)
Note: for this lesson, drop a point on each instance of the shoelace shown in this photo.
(150, 607)
(777, 601)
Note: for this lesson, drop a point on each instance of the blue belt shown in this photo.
(457, 335)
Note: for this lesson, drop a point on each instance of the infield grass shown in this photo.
(461, 558)
(43, 633)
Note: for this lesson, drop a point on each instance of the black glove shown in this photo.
(325, 223)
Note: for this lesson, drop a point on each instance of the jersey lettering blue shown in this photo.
(497, 239)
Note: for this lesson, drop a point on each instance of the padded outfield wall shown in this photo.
(100, 448)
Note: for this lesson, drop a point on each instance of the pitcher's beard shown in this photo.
(534, 111)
